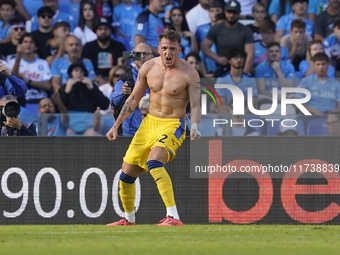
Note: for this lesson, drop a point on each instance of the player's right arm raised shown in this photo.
(131, 102)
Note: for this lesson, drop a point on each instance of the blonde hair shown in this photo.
(113, 72)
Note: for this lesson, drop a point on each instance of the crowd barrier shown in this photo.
(74, 180)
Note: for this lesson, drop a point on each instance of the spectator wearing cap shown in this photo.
(148, 26)
(198, 15)
(259, 14)
(332, 43)
(215, 8)
(267, 31)
(123, 25)
(60, 66)
(315, 7)
(229, 34)
(325, 93)
(104, 53)
(333, 123)
(81, 96)
(34, 71)
(297, 42)
(44, 32)
(7, 10)
(58, 16)
(273, 72)
(8, 50)
(323, 25)
(283, 26)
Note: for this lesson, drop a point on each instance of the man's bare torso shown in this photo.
(169, 89)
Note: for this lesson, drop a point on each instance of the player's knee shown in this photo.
(127, 179)
(153, 164)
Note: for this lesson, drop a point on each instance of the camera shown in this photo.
(11, 109)
(131, 56)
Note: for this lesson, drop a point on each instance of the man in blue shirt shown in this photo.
(122, 92)
(215, 8)
(9, 84)
(274, 72)
(56, 125)
(58, 16)
(325, 92)
(236, 58)
(124, 16)
(149, 26)
(267, 30)
(315, 7)
(299, 12)
(60, 66)
(332, 43)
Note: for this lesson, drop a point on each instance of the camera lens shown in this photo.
(11, 109)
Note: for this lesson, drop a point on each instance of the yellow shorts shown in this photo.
(153, 131)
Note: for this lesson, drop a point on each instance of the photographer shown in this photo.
(122, 92)
(12, 126)
(9, 84)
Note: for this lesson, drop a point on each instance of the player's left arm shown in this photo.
(194, 97)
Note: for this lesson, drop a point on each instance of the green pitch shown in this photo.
(190, 239)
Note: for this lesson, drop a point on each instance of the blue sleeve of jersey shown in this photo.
(259, 71)
(290, 73)
(142, 28)
(55, 70)
(303, 67)
(274, 8)
(281, 23)
(198, 36)
(116, 97)
(15, 86)
(34, 23)
(313, 6)
(285, 54)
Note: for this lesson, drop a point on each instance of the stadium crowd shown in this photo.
(69, 55)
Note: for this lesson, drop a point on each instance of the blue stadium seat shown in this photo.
(317, 127)
(273, 131)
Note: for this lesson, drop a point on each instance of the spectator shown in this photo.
(188, 39)
(81, 97)
(21, 128)
(56, 124)
(299, 12)
(323, 25)
(332, 43)
(148, 26)
(325, 93)
(58, 16)
(333, 123)
(144, 104)
(122, 92)
(60, 66)
(104, 52)
(108, 88)
(198, 15)
(34, 71)
(273, 67)
(88, 20)
(7, 10)
(44, 32)
(72, 8)
(102, 123)
(227, 35)
(278, 8)
(104, 9)
(56, 46)
(215, 9)
(8, 50)
(267, 31)
(236, 77)
(315, 7)
(9, 84)
(194, 59)
(306, 68)
(296, 42)
(123, 25)
(259, 14)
